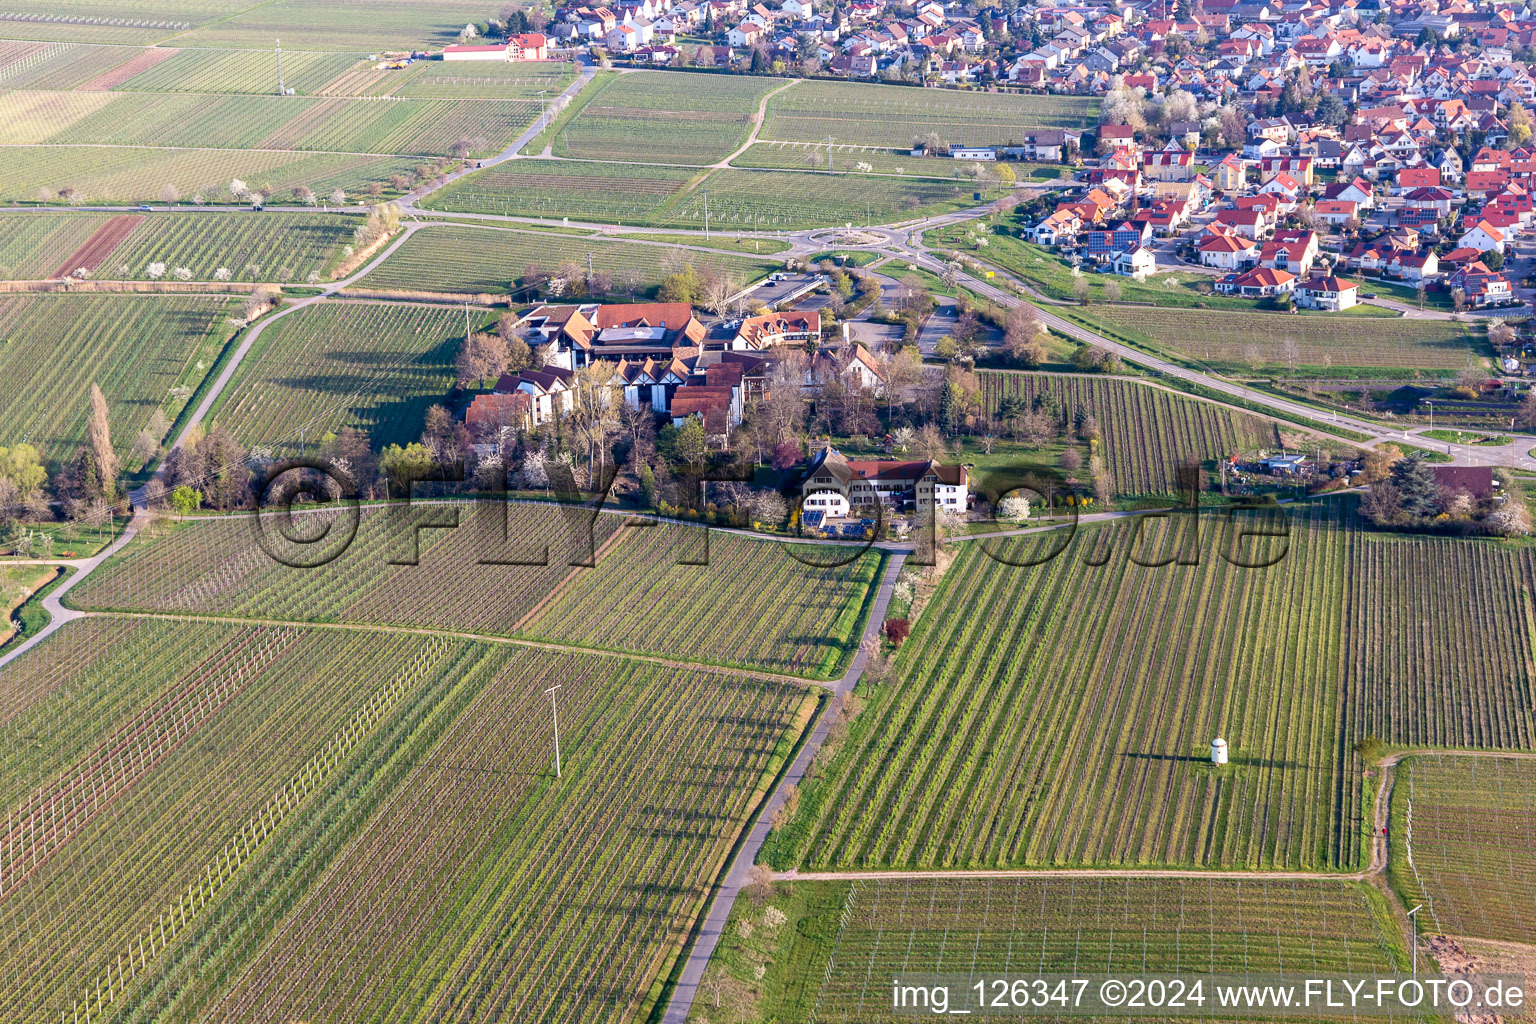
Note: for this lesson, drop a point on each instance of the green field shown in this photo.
(479, 260)
(338, 24)
(786, 616)
(264, 817)
(369, 365)
(428, 127)
(749, 200)
(53, 347)
(1024, 732)
(552, 188)
(789, 200)
(809, 156)
(271, 246)
(1147, 433)
(245, 71)
(110, 173)
(1046, 271)
(1271, 342)
(663, 117)
(828, 951)
(33, 246)
(797, 618)
(221, 565)
(893, 117)
(1461, 844)
(752, 245)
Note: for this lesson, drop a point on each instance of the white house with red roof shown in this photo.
(527, 46)
(1228, 251)
(1482, 287)
(1258, 283)
(1327, 293)
(1250, 223)
(1483, 236)
(835, 484)
(1293, 251)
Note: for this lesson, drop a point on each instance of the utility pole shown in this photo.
(1412, 916)
(555, 712)
(829, 154)
(280, 90)
(589, 270)
(1431, 413)
(706, 216)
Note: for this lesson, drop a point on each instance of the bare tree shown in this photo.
(719, 287)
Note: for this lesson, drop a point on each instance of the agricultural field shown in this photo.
(373, 366)
(249, 861)
(337, 25)
(487, 575)
(748, 200)
(137, 347)
(893, 117)
(752, 245)
(40, 65)
(809, 156)
(238, 71)
(1274, 342)
(432, 80)
(271, 246)
(223, 566)
(105, 21)
(827, 950)
(552, 188)
(1461, 838)
(274, 246)
(789, 200)
(1427, 686)
(664, 117)
(33, 246)
(480, 260)
(426, 127)
(129, 175)
(1020, 734)
(1146, 433)
(1043, 745)
(783, 614)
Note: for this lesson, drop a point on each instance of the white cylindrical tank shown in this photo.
(1218, 751)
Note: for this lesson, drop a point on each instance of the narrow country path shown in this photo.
(757, 124)
(712, 926)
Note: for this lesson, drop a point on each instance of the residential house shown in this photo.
(1327, 293)
(1258, 283)
(834, 484)
(771, 330)
(1228, 251)
(1482, 287)
(549, 392)
(1292, 251)
(1335, 212)
(1483, 236)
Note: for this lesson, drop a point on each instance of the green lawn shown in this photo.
(1263, 342)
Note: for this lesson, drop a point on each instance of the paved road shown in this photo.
(53, 603)
(1514, 454)
(718, 913)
